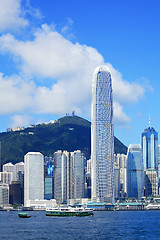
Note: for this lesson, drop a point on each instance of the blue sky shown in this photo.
(50, 49)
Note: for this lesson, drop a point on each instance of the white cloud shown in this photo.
(70, 68)
(120, 117)
(20, 120)
(16, 94)
(125, 91)
(11, 15)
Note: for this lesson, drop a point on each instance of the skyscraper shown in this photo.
(150, 148)
(135, 171)
(78, 176)
(102, 137)
(69, 175)
(33, 177)
(150, 159)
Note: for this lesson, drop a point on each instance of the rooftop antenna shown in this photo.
(149, 121)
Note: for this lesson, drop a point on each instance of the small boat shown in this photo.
(69, 212)
(23, 215)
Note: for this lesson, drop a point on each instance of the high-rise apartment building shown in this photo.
(135, 172)
(102, 137)
(33, 177)
(6, 177)
(9, 167)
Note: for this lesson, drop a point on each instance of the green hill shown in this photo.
(68, 133)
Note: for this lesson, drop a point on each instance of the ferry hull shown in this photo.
(69, 214)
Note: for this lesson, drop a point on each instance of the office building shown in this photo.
(102, 137)
(135, 172)
(120, 161)
(78, 179)
(57, 176)
(150, 148)
(151, 183)
(69, 175)
(150, 157)
(33, 177)
(116, 181)
(15, 193)
(48, 188)
(4, 194)
(18, 167)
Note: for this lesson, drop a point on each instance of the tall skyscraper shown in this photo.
(78, 176)
(150, 148)
(58, 176)
(135, 172)
(150, 159)
(69, 177)
(102, 137)
(33, 177)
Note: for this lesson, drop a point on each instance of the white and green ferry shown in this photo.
(69, 212)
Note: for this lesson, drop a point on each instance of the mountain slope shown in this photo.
(68, 133)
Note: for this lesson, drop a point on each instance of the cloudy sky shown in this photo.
(50, 49)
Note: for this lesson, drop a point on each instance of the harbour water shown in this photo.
(103, 225)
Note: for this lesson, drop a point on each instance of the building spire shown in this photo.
(149, 121)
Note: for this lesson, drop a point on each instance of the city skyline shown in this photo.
(48, 54)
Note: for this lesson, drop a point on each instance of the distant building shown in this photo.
(120, 162)
(9, 167)
(33, 177)
(135, 172)
(15, 193)
(116, 181)
(151, 183)
(0, 159)
(6, 177)
(18, 167)
(57, 176)
(48, 188)
(102, 137)
(88, 179)
(4, 194)
(159, 169)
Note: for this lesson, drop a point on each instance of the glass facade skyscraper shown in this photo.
(150, 148)
(135, 171)
(102, 137)
(150, 160)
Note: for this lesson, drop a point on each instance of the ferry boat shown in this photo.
(23, 215)
(69, 211)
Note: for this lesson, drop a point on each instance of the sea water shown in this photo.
(103, 225)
